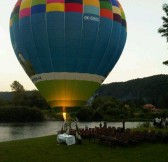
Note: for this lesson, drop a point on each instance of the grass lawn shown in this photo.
(46, 149)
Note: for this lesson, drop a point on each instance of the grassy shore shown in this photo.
(46, 149)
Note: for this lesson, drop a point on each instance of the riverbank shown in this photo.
(16, 131)
(54, 116)
(45, 149)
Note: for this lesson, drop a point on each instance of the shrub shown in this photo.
(85, 114)
(20, 114)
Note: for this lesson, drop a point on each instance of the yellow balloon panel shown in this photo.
(67, 93)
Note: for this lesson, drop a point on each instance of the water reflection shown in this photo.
(15, 131)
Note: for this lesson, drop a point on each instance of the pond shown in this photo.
(16, 131)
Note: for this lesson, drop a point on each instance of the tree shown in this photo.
(85, 114)
(17, 87)
(19, 93)
(165, 62)
(164, 29)
(34, 99)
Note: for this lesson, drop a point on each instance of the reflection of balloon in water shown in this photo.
(68, 47)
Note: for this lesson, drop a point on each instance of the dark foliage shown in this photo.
(30, 99)
(164, 29)
(102, 106)
(17, 87)
(165, 62)
(20, 114)
(85, 114)
(97, 116)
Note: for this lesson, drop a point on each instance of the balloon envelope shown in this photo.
(68, 47)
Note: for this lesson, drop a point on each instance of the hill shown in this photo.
(153, 89)
(6, 95)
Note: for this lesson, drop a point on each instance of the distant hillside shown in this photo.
(6, 95)
(152, 89)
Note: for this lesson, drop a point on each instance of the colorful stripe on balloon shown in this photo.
(55, 6)
(123, 22)
(110, 9)
(106, 9)
(25, 8)
(15, 13)
(91, 7)
(73, 6)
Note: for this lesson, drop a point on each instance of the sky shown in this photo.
(144, 52)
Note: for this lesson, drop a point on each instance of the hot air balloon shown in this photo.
(68, 47)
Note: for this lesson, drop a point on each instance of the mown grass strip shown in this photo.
(46, 149)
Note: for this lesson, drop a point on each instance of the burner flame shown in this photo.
(64, 116)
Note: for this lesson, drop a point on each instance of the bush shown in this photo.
(97, 116)
(20, 114)
(85, 114)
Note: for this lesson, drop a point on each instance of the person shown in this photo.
(100, 124)
(154, 123)
(123, 122)
(166, 122)
(65, 126)
(157, 120)
(105, 124)
(161, 123)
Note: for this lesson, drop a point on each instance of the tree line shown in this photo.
(115, 101)
(25, 106)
